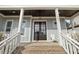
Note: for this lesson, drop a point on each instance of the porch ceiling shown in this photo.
(63, 13)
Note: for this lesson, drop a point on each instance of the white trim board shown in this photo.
(40, 7)
(29, 16)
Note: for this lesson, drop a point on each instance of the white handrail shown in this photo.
(7, 39)
(76, 42)
(70, 45)
(8, 45)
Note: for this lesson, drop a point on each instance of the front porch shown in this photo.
(48, 25)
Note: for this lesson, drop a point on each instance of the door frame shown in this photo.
(33, 29)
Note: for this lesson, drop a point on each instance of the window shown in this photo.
(8, 26)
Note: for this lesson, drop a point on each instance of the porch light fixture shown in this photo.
(13, 12)
(55, 23)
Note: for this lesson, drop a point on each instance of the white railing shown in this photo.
(9, 44)
(12, 32)
(70, 45)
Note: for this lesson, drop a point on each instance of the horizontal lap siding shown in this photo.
(63, 26)
(51, 29)
(28, 35)
(15, 25)
(0, 24)
(27, 30)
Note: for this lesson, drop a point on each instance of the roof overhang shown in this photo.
(40, 7)
(65, 10)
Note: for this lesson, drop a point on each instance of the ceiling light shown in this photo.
(13, 12)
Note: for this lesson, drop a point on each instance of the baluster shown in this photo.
(75, 50)
(10, 47)
(18, 39)
(71, 50)
(14, 43)
(2, 50)
(67, 47)
(65, 44)
(6, 48)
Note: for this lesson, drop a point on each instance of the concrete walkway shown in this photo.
(40, 48)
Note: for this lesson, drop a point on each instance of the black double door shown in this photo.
(39, 30)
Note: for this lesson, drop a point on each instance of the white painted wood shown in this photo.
(70, 39)
(2, 50)
(8, 45)
(73, 45)
(63, 42)
(27, 31)
(71, 49)
(39, 7)
(67, 46)
(6, 49)
(20, 19)
(75, 50)
(58, 24)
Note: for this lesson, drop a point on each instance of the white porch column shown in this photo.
(20, 19)
(58, 24)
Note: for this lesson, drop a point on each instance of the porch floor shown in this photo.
(40, 48)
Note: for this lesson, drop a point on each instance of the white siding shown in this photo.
(63, 26)
(0, 24)
(15, 23)
(28, 34)
(51, 29)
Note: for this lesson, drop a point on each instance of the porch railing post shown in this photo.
(58, 24)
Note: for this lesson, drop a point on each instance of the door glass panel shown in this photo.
(43, 28)
(36, 27)
(40, 30)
